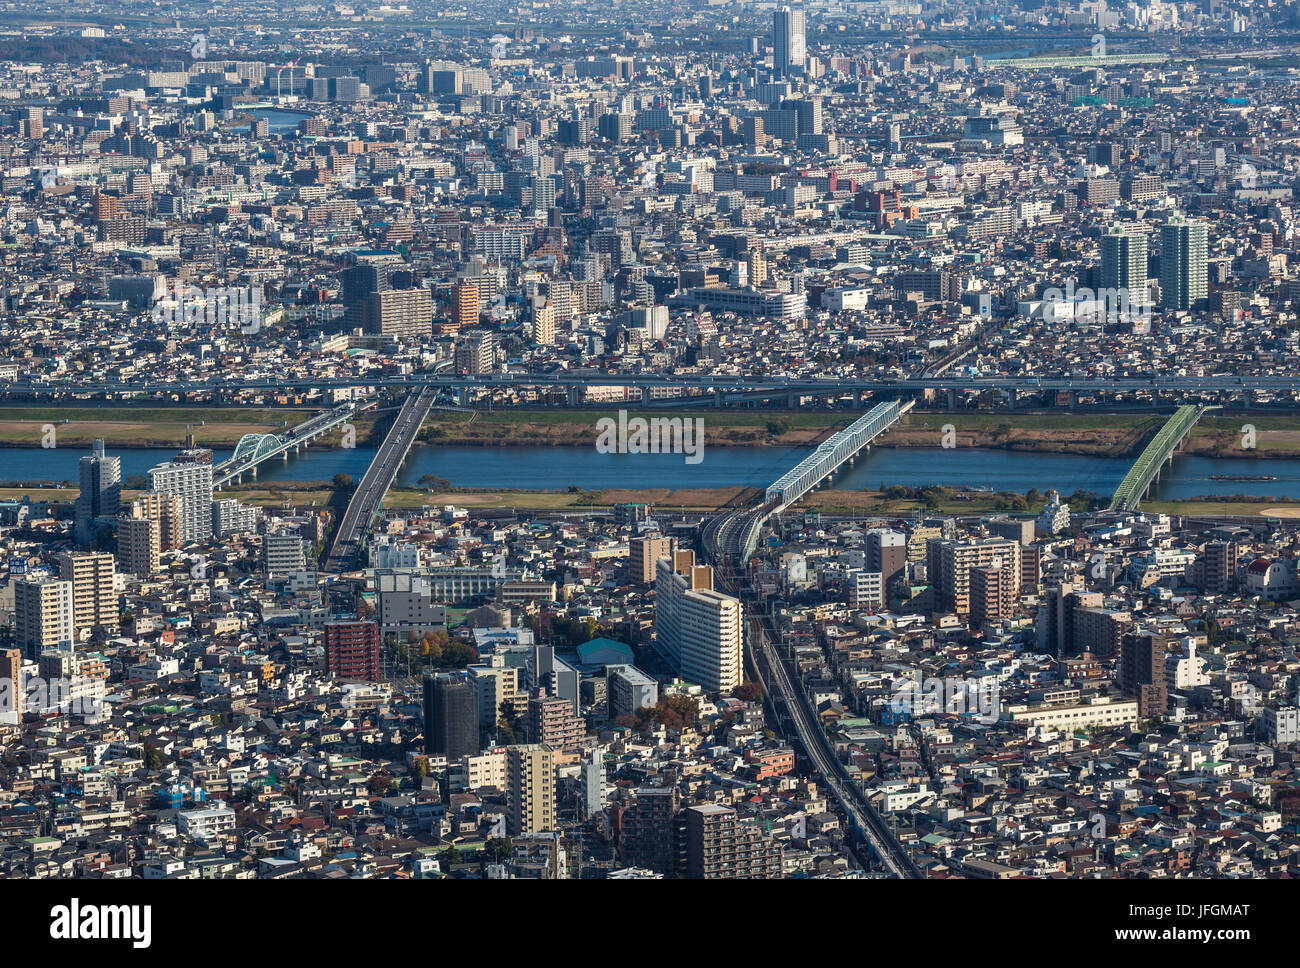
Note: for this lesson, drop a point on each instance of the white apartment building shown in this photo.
(193, 482)
(43, 615)
(699, 629)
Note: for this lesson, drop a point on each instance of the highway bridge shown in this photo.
(1146, 469)
(741, 528)
(254, 449)
(349, 539)
(712, 389)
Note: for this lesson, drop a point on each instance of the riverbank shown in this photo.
(317, 494)
(1087, 434)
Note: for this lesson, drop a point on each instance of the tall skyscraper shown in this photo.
(530, 790)
(1184, 256)
(43, 616)
(1124, 262)
(192, 482)
(101, 491)
(788, 47)
(94, 603)
(701, 630)
(450, 716)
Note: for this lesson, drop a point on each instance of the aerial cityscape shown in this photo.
(485, 440)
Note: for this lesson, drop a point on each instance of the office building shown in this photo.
(352, 650)
(789, 49)
(192, 482)
(1184, 251)
(100, 494)
(530, 790)
(43, 616)
(699, 629)
(450, 716)
(94, 601)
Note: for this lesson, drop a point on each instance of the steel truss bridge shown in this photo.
(254, 449)
(1146, 469)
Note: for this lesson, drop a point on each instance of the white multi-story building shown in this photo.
(206, 823)
(284, 554)
(193, 482)
(699, 629)
(43, 615)
(1186, 671)
(866, 589)
(1281, 725)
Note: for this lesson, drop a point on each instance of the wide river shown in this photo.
(557, 468)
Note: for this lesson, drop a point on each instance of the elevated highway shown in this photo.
(728, 540)
(349, 539)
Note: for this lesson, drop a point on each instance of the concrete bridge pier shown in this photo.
(952, 399)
